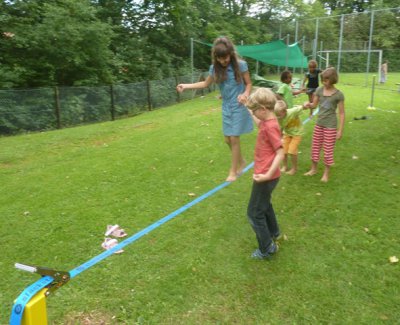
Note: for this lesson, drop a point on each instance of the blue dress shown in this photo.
(236, 120)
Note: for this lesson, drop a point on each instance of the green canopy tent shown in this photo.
(274, 53)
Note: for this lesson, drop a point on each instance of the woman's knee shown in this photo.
(234, 140)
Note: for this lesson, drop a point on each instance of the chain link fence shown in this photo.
(58, 107)
(349, 42)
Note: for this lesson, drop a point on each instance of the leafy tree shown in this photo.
(126, 41)
(352, 6)
(56, 43)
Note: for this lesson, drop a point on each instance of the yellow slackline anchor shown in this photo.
(35, 311)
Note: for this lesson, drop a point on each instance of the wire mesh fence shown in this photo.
(353, 39)
(52, 108)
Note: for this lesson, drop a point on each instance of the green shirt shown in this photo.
(286, 92)
(291, 124)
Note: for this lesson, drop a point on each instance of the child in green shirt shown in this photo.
(292, 129)
(285, 91)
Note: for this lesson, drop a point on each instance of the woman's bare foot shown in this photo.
(283, 169)
(291, 172)
(311, 172)
(231, 178)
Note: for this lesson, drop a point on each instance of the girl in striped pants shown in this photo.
(327, 129)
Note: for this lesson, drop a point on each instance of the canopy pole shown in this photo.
(340, 43)
(287, 51)
(316, 39)
(296, 35)
(191, 57)
(302, 59)
(371, 30)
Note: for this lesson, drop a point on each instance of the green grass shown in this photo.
(60, 189)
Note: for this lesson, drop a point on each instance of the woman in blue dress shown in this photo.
(233, 78)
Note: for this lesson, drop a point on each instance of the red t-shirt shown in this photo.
(268, 142)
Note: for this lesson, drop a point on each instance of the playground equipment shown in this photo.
(325, 56)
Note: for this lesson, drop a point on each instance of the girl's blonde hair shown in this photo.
(262, 97)
(280, 107)
(331, 74)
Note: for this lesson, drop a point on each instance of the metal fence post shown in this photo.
(178, 94)
(57, 107)
(112, 102)
(148, 94)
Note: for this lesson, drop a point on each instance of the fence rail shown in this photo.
(58, 107)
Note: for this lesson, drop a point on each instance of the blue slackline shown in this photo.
(29, 292)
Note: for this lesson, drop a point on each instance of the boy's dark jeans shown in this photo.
(261, 213)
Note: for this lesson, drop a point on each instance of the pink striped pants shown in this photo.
(323, 138)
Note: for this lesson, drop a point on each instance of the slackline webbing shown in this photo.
(33, 289)
(29, 292)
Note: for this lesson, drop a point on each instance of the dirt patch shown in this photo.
(209, 111)
(146, 126)
(91, 318)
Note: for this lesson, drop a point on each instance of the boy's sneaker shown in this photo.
(272, 249)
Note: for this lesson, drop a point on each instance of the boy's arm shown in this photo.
(255, 119)
(341, 120)
(274, 167)
(302, 108)
(297, 92)
(314, 103)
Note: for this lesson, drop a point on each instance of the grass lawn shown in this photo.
(60, 189)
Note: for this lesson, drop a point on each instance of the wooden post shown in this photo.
(148, 94)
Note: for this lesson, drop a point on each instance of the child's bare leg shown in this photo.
(238, 162)
(293, 170)
(310, 99)
(284, 163)
(242, 165)
(325, 176)
(313, 170)
(237, 159)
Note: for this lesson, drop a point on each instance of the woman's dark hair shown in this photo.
(223, 47)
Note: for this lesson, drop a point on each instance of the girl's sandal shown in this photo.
(115, 231)
(110, 243)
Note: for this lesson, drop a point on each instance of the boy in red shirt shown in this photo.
(267, 158)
